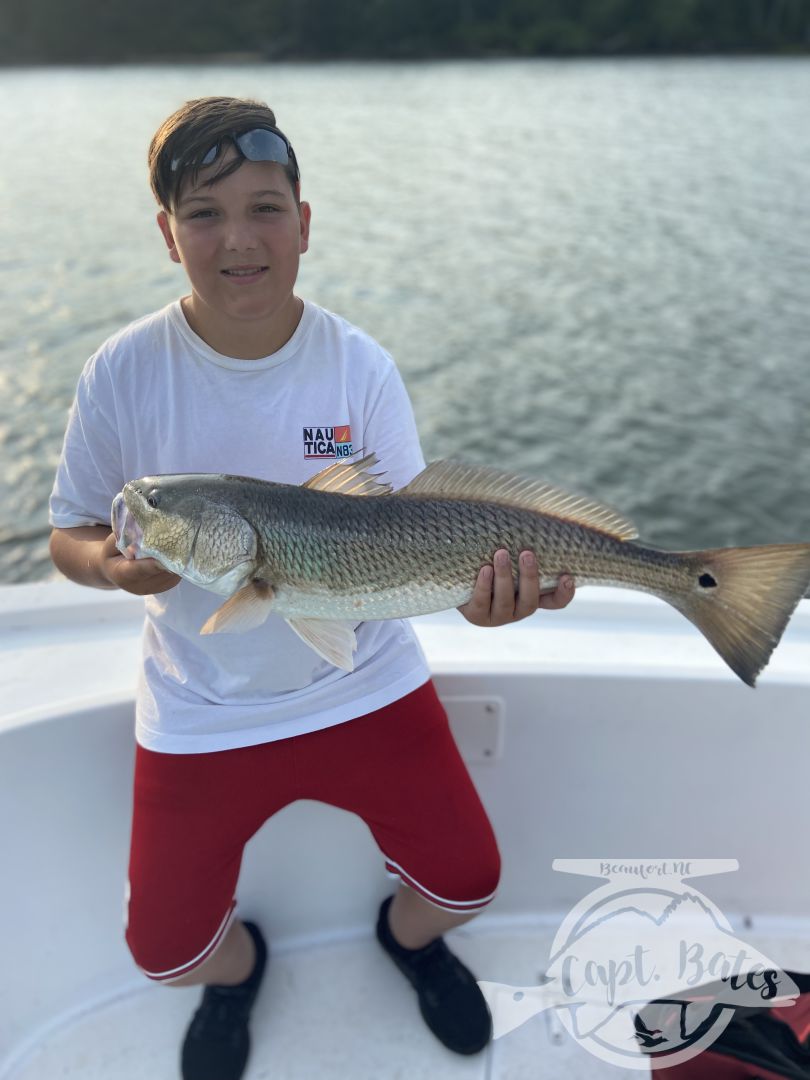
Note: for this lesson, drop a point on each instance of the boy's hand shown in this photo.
(143, 577)
(494, 601)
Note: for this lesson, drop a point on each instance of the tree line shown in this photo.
(105, 31)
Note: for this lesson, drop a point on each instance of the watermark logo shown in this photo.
(644, 966)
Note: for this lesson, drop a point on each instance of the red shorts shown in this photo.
(398, 768)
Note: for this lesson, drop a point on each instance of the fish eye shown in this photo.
(151, 500)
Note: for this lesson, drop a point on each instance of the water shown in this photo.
(590, 271)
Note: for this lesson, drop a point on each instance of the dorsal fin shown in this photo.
(482, 483)
(349, 478)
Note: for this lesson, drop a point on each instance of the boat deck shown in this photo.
(335, 1010)
(341, 1009)
(611, 729)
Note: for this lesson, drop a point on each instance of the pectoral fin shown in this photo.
(245, 610)
(334, 641)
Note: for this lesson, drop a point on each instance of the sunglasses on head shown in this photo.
(258, 144)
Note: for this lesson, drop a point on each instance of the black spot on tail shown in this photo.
(707, 581)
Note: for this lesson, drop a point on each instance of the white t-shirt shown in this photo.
(157, 399)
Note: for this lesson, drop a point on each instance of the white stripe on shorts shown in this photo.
(210, 947)
(434, 898)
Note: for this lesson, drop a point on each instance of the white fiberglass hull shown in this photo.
(609, 730)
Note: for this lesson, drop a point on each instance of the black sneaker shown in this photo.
(450, 999)
(217, 1042)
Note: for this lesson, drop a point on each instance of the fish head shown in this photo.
(186, 522)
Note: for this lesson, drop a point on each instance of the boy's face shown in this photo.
(239, 242)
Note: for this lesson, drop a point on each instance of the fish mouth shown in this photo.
(128, 533)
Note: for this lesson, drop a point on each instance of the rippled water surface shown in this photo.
(591, 271)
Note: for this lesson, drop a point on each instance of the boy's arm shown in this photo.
(88, 555)
(89, 474)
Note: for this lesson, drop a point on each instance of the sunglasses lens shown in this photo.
(263, 145)
(211, 155)
(260, 144)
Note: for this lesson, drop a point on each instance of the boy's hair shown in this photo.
(190, 132)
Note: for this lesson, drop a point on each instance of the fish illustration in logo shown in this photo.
(666, 954)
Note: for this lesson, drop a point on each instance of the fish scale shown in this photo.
(325, 560)
(410, 539)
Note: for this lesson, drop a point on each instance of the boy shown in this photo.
(238, 377)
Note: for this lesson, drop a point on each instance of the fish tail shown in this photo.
(742, 598)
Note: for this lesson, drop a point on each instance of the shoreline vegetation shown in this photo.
(258, 31)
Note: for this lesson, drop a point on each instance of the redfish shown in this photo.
(343, 549)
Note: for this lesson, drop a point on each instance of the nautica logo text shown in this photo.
(328, 442)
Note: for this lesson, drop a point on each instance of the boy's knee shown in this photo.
(481, 873)
(494, 869)
(166, 960)
(465, 883)
(160, 966)
(487, 876)
(484, 871)
(152, 962)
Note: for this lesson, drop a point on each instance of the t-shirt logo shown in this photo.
(328, 442)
